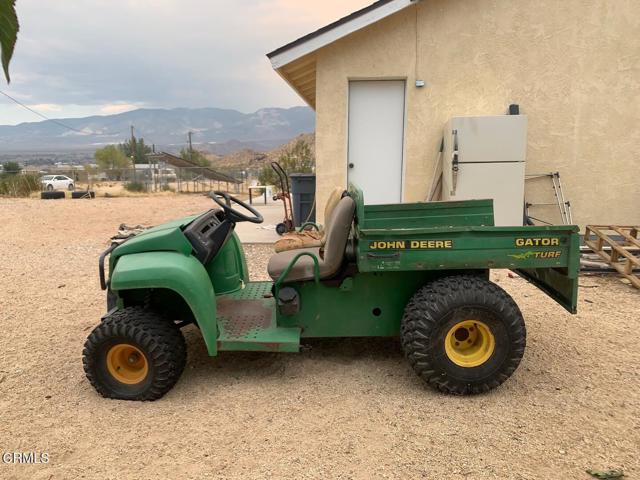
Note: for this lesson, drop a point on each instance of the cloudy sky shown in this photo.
(85, 57)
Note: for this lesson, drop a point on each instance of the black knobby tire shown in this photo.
(51, 195)
(435, 310)
(160, 341)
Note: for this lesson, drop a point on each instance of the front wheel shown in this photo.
(49, 187)
(71, 187)
(134, 354)
(463, 334)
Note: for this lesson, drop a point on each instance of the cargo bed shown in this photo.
(461, 236)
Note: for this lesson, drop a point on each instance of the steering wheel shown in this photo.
(233, 214)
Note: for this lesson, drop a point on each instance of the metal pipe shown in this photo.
(561, 195)
(570, 214)
(558, 193)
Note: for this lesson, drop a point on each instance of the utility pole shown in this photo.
(156, 170)
(150, 177)
(190, 147)
(133, 153)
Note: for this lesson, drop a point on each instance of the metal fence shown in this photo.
(158, 178)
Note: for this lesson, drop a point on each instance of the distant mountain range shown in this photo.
(217, 130)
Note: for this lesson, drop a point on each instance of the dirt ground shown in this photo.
(340, 409)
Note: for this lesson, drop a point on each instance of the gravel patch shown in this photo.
(342, 408)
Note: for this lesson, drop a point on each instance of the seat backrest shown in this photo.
(337, 234)
(332, 203)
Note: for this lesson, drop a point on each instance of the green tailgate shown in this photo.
(461, 236)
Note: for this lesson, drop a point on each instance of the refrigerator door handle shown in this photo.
(454, 163)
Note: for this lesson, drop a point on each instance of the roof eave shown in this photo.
(307, 99)
(335, 31)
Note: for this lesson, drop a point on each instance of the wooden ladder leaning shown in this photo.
(622, 254)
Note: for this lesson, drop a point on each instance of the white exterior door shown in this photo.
(376, 138)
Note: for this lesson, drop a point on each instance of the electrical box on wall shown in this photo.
(484, 157)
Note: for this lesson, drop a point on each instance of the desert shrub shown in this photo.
(19, 185)
(135, 187)
(296, 159)
(166, 188)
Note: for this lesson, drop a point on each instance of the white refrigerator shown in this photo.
(484, 157)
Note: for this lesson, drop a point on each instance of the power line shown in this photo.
(57, 122)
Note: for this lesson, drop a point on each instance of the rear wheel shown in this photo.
(463, 334)
(134, 354)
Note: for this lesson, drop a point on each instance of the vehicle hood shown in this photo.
(179, 223)
(165, 237)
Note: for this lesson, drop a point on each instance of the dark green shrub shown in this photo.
(10, 168)
(136, 187)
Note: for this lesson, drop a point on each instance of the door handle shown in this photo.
(454, 163)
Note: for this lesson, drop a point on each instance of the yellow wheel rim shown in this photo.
(127, 363)
(469, 343)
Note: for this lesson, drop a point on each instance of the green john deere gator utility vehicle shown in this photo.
(419, 271)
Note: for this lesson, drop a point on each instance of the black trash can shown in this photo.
(303, 192)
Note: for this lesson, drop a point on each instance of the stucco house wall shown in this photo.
(573, 66)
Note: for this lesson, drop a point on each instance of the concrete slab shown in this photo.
(273, 213)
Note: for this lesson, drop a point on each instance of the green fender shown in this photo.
(181, 273)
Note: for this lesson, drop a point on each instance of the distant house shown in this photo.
(573, 66)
